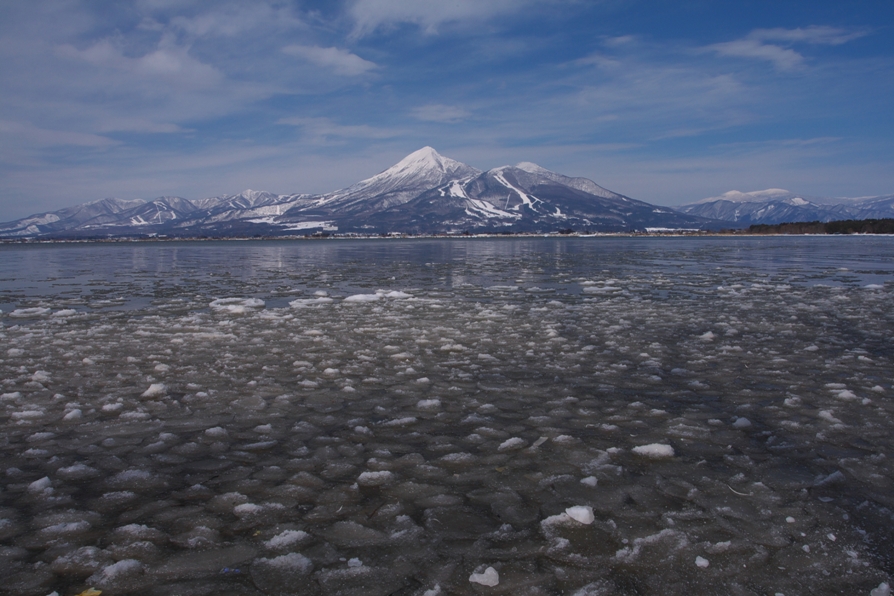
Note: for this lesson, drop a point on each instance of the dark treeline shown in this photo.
(849, 226)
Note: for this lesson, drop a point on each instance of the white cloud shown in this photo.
(440, 113)
(369, 15)
(341, 61)
(322, 128)
(28, 135)
(814, 34)
(784, 58)
(169, 62)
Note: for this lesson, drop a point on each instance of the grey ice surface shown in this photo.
(576, 416)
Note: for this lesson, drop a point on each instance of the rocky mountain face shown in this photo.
(774, 206)
(424, 193)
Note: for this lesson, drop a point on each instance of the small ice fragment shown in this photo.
(582, 514)
(742, 423)
(513, 443)
(883, 589)
(155, 390)
(806, 548)
(540, 441)
(428, 404)
(39, 486)
(216, 432)
(489, 577)
(589, 481)
(375, 478)
(363, 298)
(654, 451)
(355, 562)
(811, 348)
(701, 562)
(707, 336)
(435, 591)
(831, 537)
(790, 520)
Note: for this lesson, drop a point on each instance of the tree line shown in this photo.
(848, 226)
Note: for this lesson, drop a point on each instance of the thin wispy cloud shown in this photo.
(440, 113)
(755, 45)
(429, 15)
(341, 61)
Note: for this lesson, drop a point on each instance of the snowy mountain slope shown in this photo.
(70, 217)
(773, 206)
(423, 193)
(418, 172)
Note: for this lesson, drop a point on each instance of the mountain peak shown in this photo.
(531, 168)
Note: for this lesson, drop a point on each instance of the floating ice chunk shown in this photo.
(118, 575)
(811, 348)
(789, 520)
(654, 451)
(701, 562)
(539, 442)
(742, 423)
(216, 432)
(828, 417)
(883, 589)
(41, 486)
(75, 414)
(708, 336)
(155, 390)
(435, 591)
(236, 306)
(511, 444)
(375, 478)
(77, 472)
(264, 429)
(581, 513)
(589, 481)
(423, 381)
(428, 404)
(397, 294)
(354, 562)
(41, 376)
(23, 313)
(14, 352)
(287, 539)
(489, 577)
(845, 395)
(305, 302)
(363, 298)
(65, 312)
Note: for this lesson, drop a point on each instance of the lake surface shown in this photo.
(589, 416)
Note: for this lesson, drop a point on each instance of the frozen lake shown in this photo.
(589, 416)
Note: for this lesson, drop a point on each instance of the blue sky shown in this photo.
(664, 101)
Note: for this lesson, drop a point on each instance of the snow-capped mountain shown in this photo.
(423, 193)
(775, 205)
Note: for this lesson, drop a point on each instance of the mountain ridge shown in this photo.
(423, 193)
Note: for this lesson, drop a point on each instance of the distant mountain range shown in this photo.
(427, 193)
(775, 205)
(424, 193)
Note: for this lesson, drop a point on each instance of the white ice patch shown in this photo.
(489, 577)
(581, 513)
(236, 306)
(286, 539)
(375, 478)
(655, 451)
(511, 444)
(24, 313)
(701, 562)
(155, 390)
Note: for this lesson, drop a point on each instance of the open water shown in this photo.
(588, 416)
